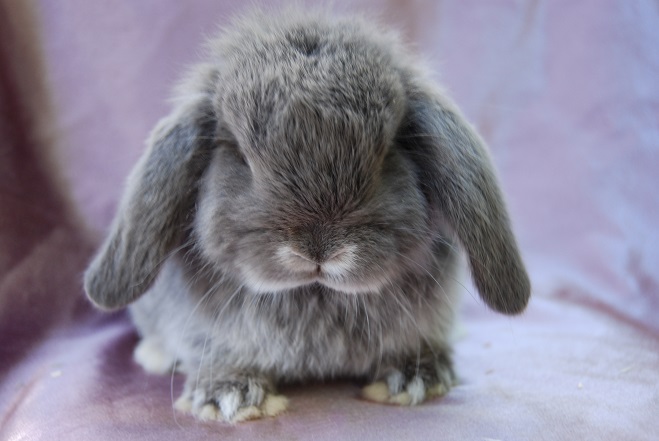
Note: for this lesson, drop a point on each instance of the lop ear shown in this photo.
(458, 177)
(156, 207)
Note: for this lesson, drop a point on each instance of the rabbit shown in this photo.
(301, 216)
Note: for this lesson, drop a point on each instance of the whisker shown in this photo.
(434, 279)
(160, 262)
(203, 298)
(217, 316)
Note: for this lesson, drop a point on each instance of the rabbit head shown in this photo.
(306, 152)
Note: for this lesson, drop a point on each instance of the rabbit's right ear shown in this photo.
(157, 206)
(459, 180)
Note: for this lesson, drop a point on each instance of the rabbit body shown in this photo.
(222, 336)
(298, 217)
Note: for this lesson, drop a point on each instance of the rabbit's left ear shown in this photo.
(157, 206)
(457, 176)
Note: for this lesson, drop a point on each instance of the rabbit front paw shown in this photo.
(415, 382)
(232, 400)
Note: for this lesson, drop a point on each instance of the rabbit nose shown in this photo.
(306, 257)
(335, 262)
(310, 242)
(340, 261)
(297, 260)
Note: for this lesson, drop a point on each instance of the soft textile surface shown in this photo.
(567, 95)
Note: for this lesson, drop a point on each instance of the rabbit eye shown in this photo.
(231, 152)
(235, 152)
(229, 145)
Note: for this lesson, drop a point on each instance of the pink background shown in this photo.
(565, 93)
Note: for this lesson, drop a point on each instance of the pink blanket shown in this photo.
(566, 94)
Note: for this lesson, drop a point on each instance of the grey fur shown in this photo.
(300, 209)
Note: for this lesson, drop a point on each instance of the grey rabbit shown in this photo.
(299, 215)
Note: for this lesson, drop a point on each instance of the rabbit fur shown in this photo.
(298, 216)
